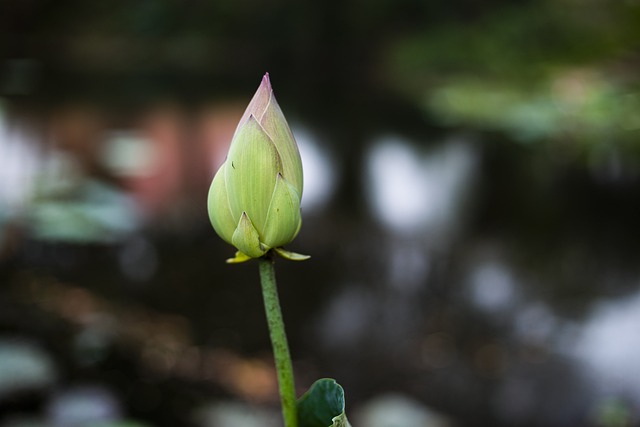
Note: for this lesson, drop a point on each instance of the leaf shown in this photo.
(322, 405)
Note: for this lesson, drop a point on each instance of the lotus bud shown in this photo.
(254, 199)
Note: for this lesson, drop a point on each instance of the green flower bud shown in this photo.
(254, 199)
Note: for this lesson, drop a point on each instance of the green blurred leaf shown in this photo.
(323, 405)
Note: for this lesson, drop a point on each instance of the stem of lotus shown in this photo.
(279, 341)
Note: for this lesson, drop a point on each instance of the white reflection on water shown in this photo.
(319, 170)
(411, 190)
(609, 346)
(20, 159)
(24, 366)
(84, 406)
(492, 286)
(129, 154)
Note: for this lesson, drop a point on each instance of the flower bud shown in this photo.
(254, 199)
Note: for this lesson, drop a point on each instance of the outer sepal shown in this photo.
(246, 238)
(240, 257)
(291, 256)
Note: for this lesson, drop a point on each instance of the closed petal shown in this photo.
(259, 102)
(276, 126)
(283, 218)
(246, 238)
(218, 207)
(251, 169)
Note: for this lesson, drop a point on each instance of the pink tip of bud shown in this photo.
(266, 82)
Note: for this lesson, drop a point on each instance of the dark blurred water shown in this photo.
(471, 207)
(494, 282)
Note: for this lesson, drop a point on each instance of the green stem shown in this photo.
(279, 342)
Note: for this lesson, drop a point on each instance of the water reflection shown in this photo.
(413, 191)
(128, 154)
(20, 159)
(24, 367)
(84, 406)
(77, 210)
(608, 345)
(320, 173)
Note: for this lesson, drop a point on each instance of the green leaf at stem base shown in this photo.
(322, 405)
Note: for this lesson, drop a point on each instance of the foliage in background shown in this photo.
(544, 71)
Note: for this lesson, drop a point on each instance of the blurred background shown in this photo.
(472, 208)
